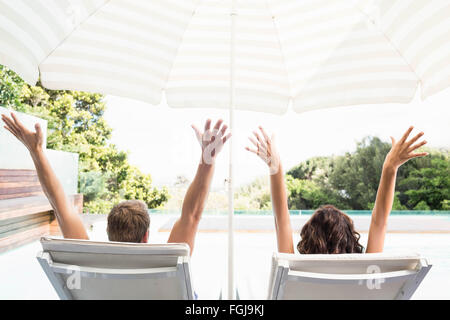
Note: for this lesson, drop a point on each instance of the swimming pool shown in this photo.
(22, 278)
(309, 212)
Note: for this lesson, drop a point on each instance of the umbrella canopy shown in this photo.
(315, 53)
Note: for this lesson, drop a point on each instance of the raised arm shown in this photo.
(211, 141)
(400, 152)
(69, 222)
(265, 149)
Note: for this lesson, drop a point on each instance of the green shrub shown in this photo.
(422, 205)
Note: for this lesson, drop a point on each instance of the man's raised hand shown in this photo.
(32, 140)
(212, 140)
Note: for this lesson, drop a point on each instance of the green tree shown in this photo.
(445, 204)
(356, 175)
(10, 88)
(314, 168)
(92, 185)
(428, 186)
(304, 194)
(309, 186)
(351, 181)
(254, 196)
(139, 186)
(396, 205)
(422, 205)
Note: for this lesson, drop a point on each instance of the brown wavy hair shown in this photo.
(329, 230)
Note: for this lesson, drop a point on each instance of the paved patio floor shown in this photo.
(22, 278)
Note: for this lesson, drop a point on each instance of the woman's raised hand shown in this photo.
(403, 150)
(266, 150)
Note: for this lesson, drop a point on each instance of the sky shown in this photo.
(160, 140)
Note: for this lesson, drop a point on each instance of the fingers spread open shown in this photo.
(415, 155)
(260, 140)
(207, 124)
(253, 141)
(218, 124)
(9, 122)
(416, 146)
(197, 132)
(226, 138)
(406, 134)
(251, 150)
(38, 129)
(10, 125)
(416, 137)
(223, 130)
(266, 137)
(392, 140)
(262, 147)
(13, 132)
(17, 122)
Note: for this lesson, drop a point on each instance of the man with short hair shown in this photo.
(128, 221)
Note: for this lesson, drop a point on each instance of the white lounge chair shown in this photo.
(346, 276)
(82, 269)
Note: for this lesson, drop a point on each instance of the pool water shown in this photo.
(444, 213)
(21, 276)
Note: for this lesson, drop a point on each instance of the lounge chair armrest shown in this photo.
(359, 278)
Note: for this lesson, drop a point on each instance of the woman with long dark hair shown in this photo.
(329, 230)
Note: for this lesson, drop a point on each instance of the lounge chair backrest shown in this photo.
(346, 276)
(82, 269)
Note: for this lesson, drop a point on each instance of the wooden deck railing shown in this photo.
(25, 213)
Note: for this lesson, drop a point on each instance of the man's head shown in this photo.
(329, 230)
(129, 221)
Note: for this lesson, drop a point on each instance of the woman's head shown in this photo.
(329, 230)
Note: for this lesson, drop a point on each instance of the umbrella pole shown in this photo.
(231, 288)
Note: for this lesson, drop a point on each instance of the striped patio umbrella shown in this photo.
(258, 55)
